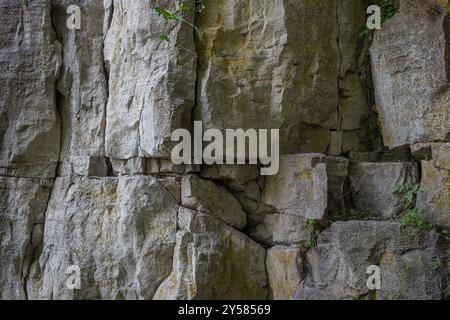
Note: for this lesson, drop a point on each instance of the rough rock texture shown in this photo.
(281, 229)
(214, 261)
(372, 186)
(205, 196)
(285, 271)
(300, 187)
(255, 72)
(414, 264)
(120, 237)
(82, 84)
(409, 71)
(434, 192)
(151, 81)
(29, 67)
(86, 179)
(337, 173)
(22, 206)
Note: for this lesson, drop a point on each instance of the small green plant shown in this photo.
(415, 218)
(310, 223)
(177, 15)
(435, 265)
(412, 216)
(312, 241)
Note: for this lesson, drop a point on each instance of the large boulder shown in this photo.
(409, 72)
(119, 232)
(213, 261)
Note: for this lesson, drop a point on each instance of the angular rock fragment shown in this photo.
(372, 186)
(300, 187)
(205, 196)
(213, 261)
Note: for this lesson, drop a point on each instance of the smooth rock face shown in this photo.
(22, 207)
(413, 264)
(300, 187)
(29, 64)
(256, 72)
(372, 186)
(205, 196)
(434, 193)
(151, 81)
(119, 232)
(408, 64)
(214, 261)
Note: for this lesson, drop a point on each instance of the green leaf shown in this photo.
(164, 37)
(167, 14)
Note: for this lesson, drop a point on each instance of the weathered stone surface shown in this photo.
(372, 186)
(283, 229)
(408, 62)
(29, 64)
(214, 261)
(119, 231)
(337, 172)
(284, 271)
(83, 81)
(413, 264)
(255, 209)
(300, 187)
(434, 193)
(84, 166)
(22, 207)
(256, 72)
(205, 196)
(129, 167)
(151, 81)
(235, 176)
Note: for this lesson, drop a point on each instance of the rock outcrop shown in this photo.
(92, 207)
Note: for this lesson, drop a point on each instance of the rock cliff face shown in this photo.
(86, 178)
